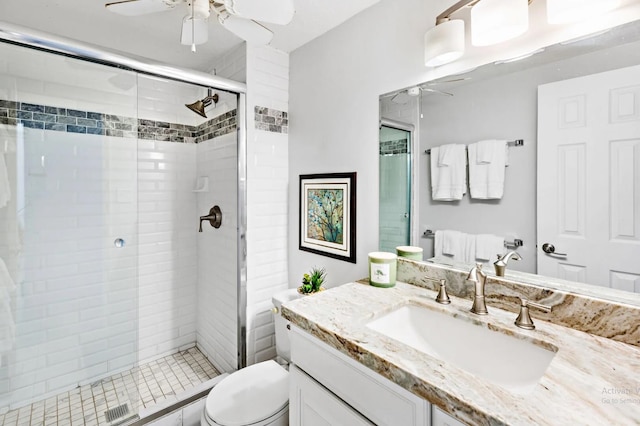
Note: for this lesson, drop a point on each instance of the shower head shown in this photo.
(199, 106)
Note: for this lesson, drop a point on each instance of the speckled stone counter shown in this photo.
(591, 380)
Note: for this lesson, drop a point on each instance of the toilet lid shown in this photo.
(249, 395)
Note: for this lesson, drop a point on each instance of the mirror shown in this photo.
(500, 101)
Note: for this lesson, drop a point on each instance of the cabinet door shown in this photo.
(311, 404)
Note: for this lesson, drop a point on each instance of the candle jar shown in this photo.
(382, 269)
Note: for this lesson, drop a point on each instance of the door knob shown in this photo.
(550, 249)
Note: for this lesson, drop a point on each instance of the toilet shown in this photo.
(257, 395)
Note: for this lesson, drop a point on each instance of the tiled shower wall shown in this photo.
(217, 257)
(83, 311)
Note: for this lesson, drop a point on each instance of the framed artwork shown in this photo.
(328, 215)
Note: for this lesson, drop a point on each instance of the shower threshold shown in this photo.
(120, 399)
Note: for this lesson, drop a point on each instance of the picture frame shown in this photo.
(328, 215)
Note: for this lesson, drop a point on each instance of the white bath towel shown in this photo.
(454, 245)
(486, 180)
(449, 180)
(488, 246)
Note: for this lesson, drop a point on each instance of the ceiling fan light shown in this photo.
(444, 43)
(273, 11)
(495, 21)
(198, 33)
(566, 11)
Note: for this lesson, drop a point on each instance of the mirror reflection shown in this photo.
(573, 187)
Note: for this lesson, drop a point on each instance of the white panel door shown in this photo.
(589, 179)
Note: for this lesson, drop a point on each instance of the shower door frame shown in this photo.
(30, 38)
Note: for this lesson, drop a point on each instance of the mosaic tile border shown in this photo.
(399, 146)
(271, 120)
(46, 117)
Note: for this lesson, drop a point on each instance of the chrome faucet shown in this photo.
(501, 263)
(478, 278)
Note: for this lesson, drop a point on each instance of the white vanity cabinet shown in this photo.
(349, 390)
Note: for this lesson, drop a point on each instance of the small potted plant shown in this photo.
(312, 282)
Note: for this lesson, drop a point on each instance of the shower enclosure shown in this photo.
(104, 174)
(395, 141)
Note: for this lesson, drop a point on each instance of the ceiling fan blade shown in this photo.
(439, 92)
(272, 11)
(433, 83)
(140, 7)
(245, 29)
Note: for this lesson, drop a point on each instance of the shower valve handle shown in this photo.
(214, 217)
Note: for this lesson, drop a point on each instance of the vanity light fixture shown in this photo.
(495, 21)
(566, 11)
(444, 43)
(492, 21)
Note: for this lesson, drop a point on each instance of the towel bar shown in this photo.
(517, 242)
(517, 142)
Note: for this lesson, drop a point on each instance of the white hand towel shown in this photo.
(5, 185)
(488, 246)
(448, 182)
(437, 244)
(486, 181)
(484, 152)
(469, 251)
(452, 242)
(446, 154)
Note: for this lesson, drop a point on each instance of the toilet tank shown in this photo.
(283, 348)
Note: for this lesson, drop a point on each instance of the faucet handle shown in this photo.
(443, 297)
(524, 319)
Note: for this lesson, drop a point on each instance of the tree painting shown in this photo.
(325, 210)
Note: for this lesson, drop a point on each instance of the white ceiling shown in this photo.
(157, 36)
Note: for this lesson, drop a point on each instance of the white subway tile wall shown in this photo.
(267, 198)
(168, 256)
(217, 254)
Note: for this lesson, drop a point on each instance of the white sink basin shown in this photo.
(516, 365)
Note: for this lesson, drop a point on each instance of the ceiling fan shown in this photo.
(238, 16)
(403, 96)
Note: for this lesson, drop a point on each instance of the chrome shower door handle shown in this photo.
(550, 249)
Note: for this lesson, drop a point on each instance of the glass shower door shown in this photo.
(395, 188)
(68, 224)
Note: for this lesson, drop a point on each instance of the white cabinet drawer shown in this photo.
(440, 418)
(310, 404)
(378, 399)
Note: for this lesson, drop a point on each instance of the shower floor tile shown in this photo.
(141, 387)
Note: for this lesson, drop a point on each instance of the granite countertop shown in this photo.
(590, 381)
